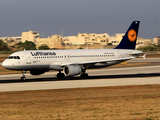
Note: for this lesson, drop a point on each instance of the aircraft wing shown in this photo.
(98, 61)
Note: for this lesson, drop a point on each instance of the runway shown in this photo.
(141, 60)
(97, 78)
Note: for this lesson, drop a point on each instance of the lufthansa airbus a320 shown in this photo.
(74, 62)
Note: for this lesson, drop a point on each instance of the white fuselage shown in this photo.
(56, 59)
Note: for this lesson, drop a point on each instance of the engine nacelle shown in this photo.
(72, 70)
(37, 72)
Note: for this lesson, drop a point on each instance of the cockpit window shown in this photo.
(13, 57)
(10, 57)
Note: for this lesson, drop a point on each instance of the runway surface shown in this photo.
(97, 78)
(141, 60)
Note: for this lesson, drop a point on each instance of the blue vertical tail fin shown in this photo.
(130, 37)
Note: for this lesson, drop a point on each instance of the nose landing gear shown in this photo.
(23, 75)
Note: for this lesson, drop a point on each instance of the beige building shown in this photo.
(30, 36)
(55, 41)
(102, 39)
(82, 40)
(156, 41)
(143, 42)
(73, 40)
(86, 38)
(11, 40)
(115, 40)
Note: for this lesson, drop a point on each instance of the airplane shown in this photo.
(74, 62)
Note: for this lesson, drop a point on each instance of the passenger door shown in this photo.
(28, 58)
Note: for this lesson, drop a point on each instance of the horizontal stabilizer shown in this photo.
(136, 54)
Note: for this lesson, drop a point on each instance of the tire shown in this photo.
(84, 75)
(23, 78)
(60, 75)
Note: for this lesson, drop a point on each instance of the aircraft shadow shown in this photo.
(78, 78)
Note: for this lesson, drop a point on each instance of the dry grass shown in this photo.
(117, 103)
(5, 71)
(2, 59)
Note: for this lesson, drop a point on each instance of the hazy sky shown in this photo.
(49, 17)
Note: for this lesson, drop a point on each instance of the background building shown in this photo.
(115, 40)
(11, 40)
(30, 36)
(55, 41)
(82, 40)
(86, 39)
(156, 41)
(143, 42)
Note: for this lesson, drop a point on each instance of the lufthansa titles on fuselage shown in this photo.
(42, 53)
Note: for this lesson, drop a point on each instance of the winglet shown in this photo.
(130, 37)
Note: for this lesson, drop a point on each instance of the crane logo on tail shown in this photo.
(132, 35)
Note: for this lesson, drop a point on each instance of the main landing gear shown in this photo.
(60, 75)
(23, 75)
(84, 75)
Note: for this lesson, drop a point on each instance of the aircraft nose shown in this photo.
(11, 65)
(4, 64)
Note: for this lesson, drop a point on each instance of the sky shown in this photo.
(50, 17)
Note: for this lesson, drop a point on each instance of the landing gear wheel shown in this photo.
(23, 78)
(60, 75)
(23, 75)
(84, 75)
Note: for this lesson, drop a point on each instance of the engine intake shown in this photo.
(72, 70)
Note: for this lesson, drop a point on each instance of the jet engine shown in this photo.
(37, 72)
(72, 70)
